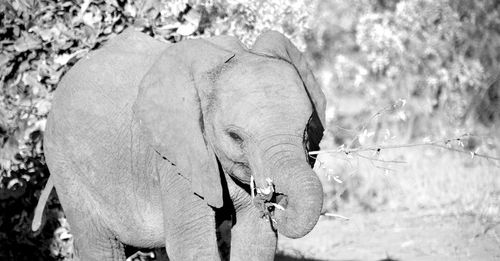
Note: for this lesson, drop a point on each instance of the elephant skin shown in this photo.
(149, 144)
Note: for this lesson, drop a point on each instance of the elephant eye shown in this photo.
(237, 138)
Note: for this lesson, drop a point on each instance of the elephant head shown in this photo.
(256, 112)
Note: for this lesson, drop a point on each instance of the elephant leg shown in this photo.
(189, 221)
(252, 237)
(92, 240)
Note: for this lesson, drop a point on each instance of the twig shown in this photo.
(380, 112)
(472, 153)
(373, 148)
(141, 255)
(381, 160)
(384, 168)
(335, 216)
(83, 8)
(438, 144)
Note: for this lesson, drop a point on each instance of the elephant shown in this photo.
(150, 144)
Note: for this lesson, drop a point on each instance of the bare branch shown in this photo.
(437, 143)
(380, 160)
(335, 216)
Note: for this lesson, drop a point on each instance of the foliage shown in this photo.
(416, 50)
(248, 19)
(439, 56)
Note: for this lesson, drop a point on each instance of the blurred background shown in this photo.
(410, 161)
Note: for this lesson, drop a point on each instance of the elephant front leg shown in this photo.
(189, 222)
(252, 237)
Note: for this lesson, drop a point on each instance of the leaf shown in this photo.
(186, 29)
(337, 179)
(9, 149)
(13, 182)
(88, 19)
(55, 77)
(26, 42)
(5, 69)
(65, 58)
(83, 8)
(30, 78)
(402, 115)
(45, 34)
(150, 9)
(43, 106)
(130, 10)
(192, 21)
(4, 59)
(363, 137)
(193, 17)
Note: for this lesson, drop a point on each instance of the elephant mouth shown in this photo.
(267, 200)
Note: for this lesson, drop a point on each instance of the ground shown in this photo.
(396, 236)
(436, 206)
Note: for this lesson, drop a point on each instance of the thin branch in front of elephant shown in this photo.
(372, 162)
(445, 144)
(385, 169)
(278, 206)
(326, 214)
(380, 160)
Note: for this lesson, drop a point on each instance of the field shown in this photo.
(440, 205)
(393, 72)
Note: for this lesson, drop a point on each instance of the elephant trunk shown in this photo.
(299, 190)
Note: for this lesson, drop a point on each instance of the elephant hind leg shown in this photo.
(101, 248)
(92, 241)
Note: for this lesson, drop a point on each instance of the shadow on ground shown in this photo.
(161, 255)
(282, 257)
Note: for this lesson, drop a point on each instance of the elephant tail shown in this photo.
(37, 219)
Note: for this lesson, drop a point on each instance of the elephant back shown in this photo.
(91, 116)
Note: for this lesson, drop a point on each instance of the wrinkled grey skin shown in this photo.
(139, 129)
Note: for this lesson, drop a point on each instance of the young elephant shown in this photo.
(146, 142)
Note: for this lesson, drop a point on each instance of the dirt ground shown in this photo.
(395, 236)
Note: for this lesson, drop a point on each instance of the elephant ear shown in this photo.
(169, 111)
(275, 44)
